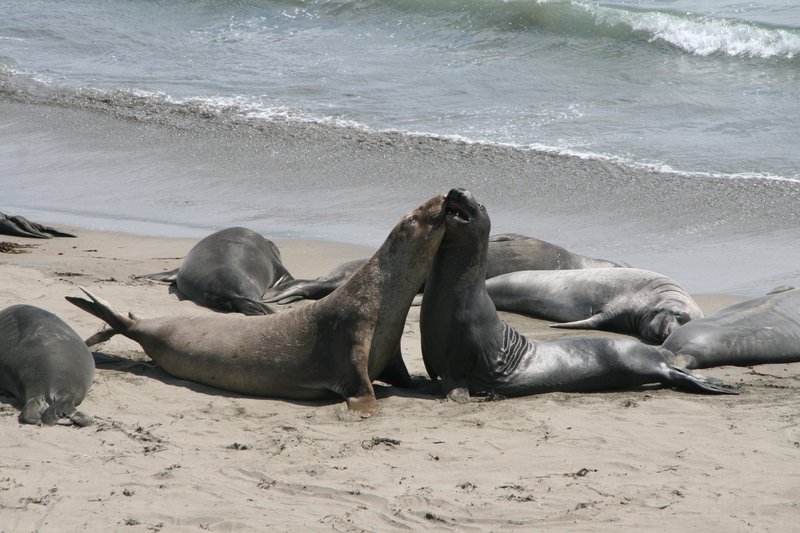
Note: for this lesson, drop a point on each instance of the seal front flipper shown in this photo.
(593, 322)
(689, 381)
(299, 289)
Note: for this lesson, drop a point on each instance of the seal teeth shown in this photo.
(455, 211)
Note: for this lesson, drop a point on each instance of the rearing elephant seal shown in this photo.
(466, 343)
(229, 271)
(627, 300)
(336, 345)
(44, 364)
(508, 252)
(754, 332)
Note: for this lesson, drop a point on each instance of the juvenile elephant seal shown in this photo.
(336, 345)
(44, 364)
(466, 344)
(626, 300)
(22, 227)
(229, 271)
(759, 331)
(508, 252)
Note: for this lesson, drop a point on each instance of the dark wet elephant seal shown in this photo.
(22, 227)
(759, 331)
(229, 271)
(508, 252)
(474, 352)
(336, 345)
(44, 364)
(626, 300)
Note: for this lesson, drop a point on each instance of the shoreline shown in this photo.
(172, 454)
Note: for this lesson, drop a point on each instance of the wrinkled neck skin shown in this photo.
(382, 290)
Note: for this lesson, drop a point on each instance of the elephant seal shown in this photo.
(508, 252)
(229, 271)
(474, 352)
(336, 345)
(22, 227)
(626, 300)
(44, 364)
(758, 331)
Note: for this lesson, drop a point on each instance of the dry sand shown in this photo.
(171, 455)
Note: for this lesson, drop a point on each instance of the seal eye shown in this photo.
(482, 207)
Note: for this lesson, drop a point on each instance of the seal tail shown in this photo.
(101, 309)
(689, 381)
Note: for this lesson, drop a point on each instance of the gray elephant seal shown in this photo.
(626, 300)
(336, 345)
(22, 227)
(229, 271)
(508, 252)
(759, 331)
(474, 352)
(44, 364)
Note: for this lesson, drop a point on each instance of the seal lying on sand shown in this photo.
(44, 364)
(627, 300)
(22, 227)
(229, 271)
(466, 343)
(508, 252)
(337, 345)
(759, 331)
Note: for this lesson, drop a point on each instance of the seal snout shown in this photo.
(459, 205)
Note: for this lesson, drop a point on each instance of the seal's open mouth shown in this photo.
(459, 206)
(457, 211)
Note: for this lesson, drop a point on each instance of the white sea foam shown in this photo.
(703, 35)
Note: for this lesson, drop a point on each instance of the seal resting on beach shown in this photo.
(508, 252)
(22, 227)
(626, 300)
(754, 332)
(474, 352)
(44, 364)
(334, 346)
(229, 271)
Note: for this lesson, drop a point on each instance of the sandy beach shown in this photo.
(170, 455)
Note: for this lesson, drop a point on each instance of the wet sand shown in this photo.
(167, 454)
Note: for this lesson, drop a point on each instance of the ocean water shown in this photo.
(663, 134)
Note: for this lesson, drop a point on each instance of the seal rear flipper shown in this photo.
(249, 307)
(593, 322)
(80, 419)
(32, 412)
(169, 276)
(689, 381)
(103, 310)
